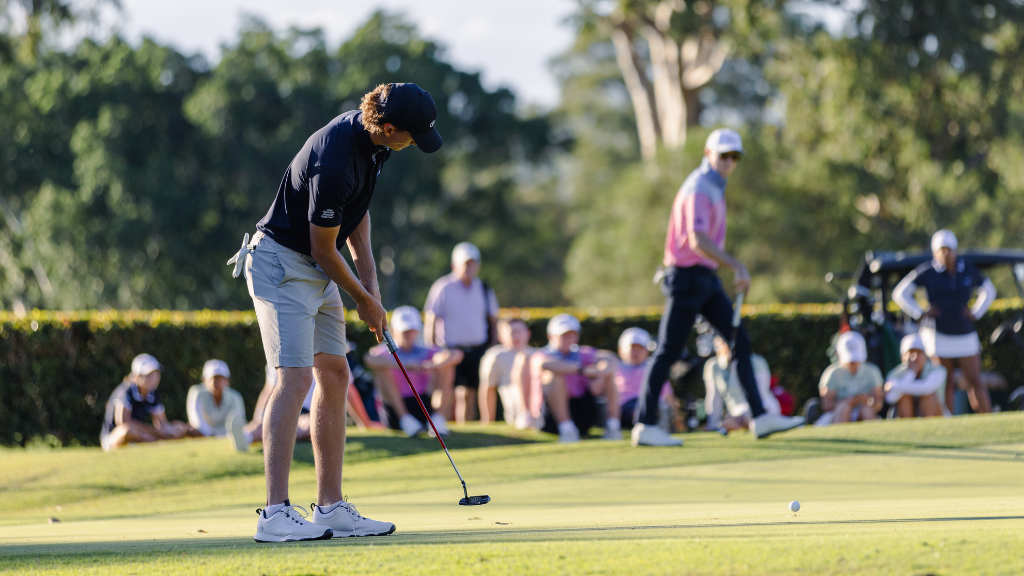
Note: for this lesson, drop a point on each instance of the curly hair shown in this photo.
(372, 107)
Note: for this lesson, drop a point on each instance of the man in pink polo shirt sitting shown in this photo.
(572, 377)
(421, 362)
(634, 361)
(694, 249)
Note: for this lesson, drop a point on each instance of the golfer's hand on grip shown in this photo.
(740, 279)
(373, 314)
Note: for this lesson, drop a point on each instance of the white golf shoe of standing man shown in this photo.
(293, 268)
(694, 249)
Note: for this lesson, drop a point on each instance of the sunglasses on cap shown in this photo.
(734, 156)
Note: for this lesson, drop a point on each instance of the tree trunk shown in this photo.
(640, 92)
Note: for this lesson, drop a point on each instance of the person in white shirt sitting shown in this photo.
(216, 409)
(726, 403)
(916, 387)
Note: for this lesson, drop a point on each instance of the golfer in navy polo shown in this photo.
(294, 268)
(694, 249)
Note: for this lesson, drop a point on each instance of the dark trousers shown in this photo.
(691, 291)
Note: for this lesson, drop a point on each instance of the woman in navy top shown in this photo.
(947, 327)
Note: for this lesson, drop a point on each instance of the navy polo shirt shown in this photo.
(142, 407)
(949, 293)
(329, 183)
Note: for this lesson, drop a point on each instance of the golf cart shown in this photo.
(866, 306)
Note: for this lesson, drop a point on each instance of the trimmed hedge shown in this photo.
(57, 369)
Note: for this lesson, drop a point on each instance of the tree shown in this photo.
(683, 46)
(131, 173)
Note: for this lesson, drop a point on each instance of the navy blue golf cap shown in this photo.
(409, 107)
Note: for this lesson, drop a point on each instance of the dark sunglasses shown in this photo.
(734, 156)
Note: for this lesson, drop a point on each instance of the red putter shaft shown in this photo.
(394, 352)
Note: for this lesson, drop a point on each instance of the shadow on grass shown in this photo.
(145, 549)
(359, 448)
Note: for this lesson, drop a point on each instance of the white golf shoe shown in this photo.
(651, 435)
(613, 430)
(410, 425)
(568, 433)
(440, 423)
(767, 424)
(287, 525)
(346, 521)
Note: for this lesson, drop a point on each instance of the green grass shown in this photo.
(904, 497)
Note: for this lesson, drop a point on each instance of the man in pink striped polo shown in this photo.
(694, 249)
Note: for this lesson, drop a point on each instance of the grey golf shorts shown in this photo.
(298, 307)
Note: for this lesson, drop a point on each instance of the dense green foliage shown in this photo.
(128, 174)
(57, 370)
(907, 120)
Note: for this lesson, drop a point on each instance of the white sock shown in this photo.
(248, 437)
(272, 509)
(613, 424)
(566, 427)
(328, 508)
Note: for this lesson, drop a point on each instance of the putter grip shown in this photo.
(390, 343)
(737, 309)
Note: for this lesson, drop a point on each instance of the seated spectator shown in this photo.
(354, 408)
(501, 375)
(851, 390)
(724, 391)
(254, 429)
(572, 377)
(915, 387)
(136, 401)
(423, 364)
(215, 409)
(634, 356)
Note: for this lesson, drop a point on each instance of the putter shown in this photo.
(468, 500)
(736, 321)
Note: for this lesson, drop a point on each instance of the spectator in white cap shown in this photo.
(851, 389)
(634, 361)
(215, 408)
(573, 377)
(134, 412)
(726, 402)
(461, 313)
(423, 363)
(504, 372)
(914, 387)
(947, 326)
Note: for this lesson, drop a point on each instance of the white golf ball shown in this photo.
(794, 506)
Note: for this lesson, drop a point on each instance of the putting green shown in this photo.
(907, 497)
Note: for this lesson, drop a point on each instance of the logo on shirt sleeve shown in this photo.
(328, 213)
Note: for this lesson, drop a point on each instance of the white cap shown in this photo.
(911, 342)
(562, 323)
(851, 348)
(406, 318)
(724, 140)
(464, 252)
(144, 364)
(634, 335)
(943, 239)
(216, 368)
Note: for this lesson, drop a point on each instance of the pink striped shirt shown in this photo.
(699, 206)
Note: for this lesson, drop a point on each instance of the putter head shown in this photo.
(475, 501)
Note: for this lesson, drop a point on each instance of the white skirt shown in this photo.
(941, 345)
